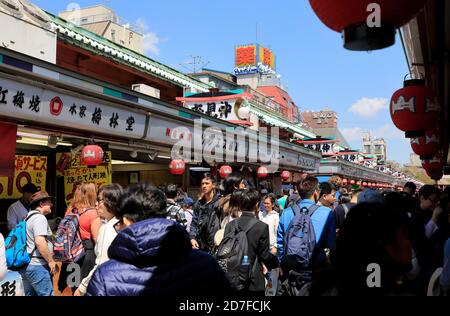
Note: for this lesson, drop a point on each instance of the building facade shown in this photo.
(375, 146)
(104, 22)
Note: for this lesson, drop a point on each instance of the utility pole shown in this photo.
(195, 62)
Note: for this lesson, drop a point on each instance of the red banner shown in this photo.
(8, 134)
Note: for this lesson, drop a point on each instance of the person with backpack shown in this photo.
(3, 266)
(248, 239)
(206, 220)
(188, 213)
(37, 274)
(294, 197)
(327, 195)
(19, 210)
(108, 208)
(315, 225)
(153, 256)
(81, 225)
(174, 210)
(346, 203)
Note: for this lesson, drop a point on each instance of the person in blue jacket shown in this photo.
(323, 221)
(153, 256)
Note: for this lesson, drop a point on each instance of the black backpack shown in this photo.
(230, 255)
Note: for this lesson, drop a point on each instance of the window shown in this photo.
(378, 149)
(367, 148)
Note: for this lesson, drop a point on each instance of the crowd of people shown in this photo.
(317, 239)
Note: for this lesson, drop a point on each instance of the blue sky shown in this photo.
(314, 66)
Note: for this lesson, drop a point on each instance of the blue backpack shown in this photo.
(300, 239)
(17, 256)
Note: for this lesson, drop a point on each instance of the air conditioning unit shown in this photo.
(147, 90)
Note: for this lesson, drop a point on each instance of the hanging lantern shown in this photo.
(353, 19)
(352, 182)
(414, 108)
(225, 171)
(433, 164)
(285, 175)
(437, 176)
(91, 155)
(426, 146)
(177, 167)
(344, 182)
(364, 184)
(262, 172)
(358, 183)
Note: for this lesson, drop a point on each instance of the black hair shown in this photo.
(231, 183)
(367, 229)
(428, 190)
(29, 188)
(113, 195)
(411, 186)
(325, 188)
(286, 191)
(143, 201)
(344, 198)
(266, 185)
(249, 199)
(171, 191)
(209, 176)
(307, 187)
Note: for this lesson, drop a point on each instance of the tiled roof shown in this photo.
(100, 45)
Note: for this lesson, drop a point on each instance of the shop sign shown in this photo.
(74, 173)
(12, 285)
(28, 169)
(24, 101)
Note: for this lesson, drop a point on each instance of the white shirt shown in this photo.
(272, 219)
(16, 213)
(106, 236)
(3, 267)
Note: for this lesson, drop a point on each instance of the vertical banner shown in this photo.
(8, 134)
(27, 169)
(74, 173)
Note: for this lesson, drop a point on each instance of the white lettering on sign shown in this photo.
(28, 102)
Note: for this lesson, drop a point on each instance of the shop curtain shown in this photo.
(8, 134)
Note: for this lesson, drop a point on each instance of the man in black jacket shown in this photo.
(205, 220)
(258, 240)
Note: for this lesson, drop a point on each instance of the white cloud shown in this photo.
(387, 131)
(367, 107)
(151, 40)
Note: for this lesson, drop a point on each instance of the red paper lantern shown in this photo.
(352, 182)
(262, 172)
(414, 108)
(358, 183)
(364, 184)
(285, 175)
(434, 164)
(177, 167)
(225, 171)
(351, 18)
(426, 146)
(344, 181)
(91, 155)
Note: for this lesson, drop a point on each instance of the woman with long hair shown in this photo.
(84, 204)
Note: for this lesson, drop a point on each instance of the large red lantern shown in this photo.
(414, 108)
(91, 155)
(433, 164)
(426, 146)
(352, 18)
(262, 172)
(225, 171)
(177, 167)
(285, 175)
(437, 176)
(352, 182)
(364, 184)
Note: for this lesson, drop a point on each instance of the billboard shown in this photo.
(254, 58)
